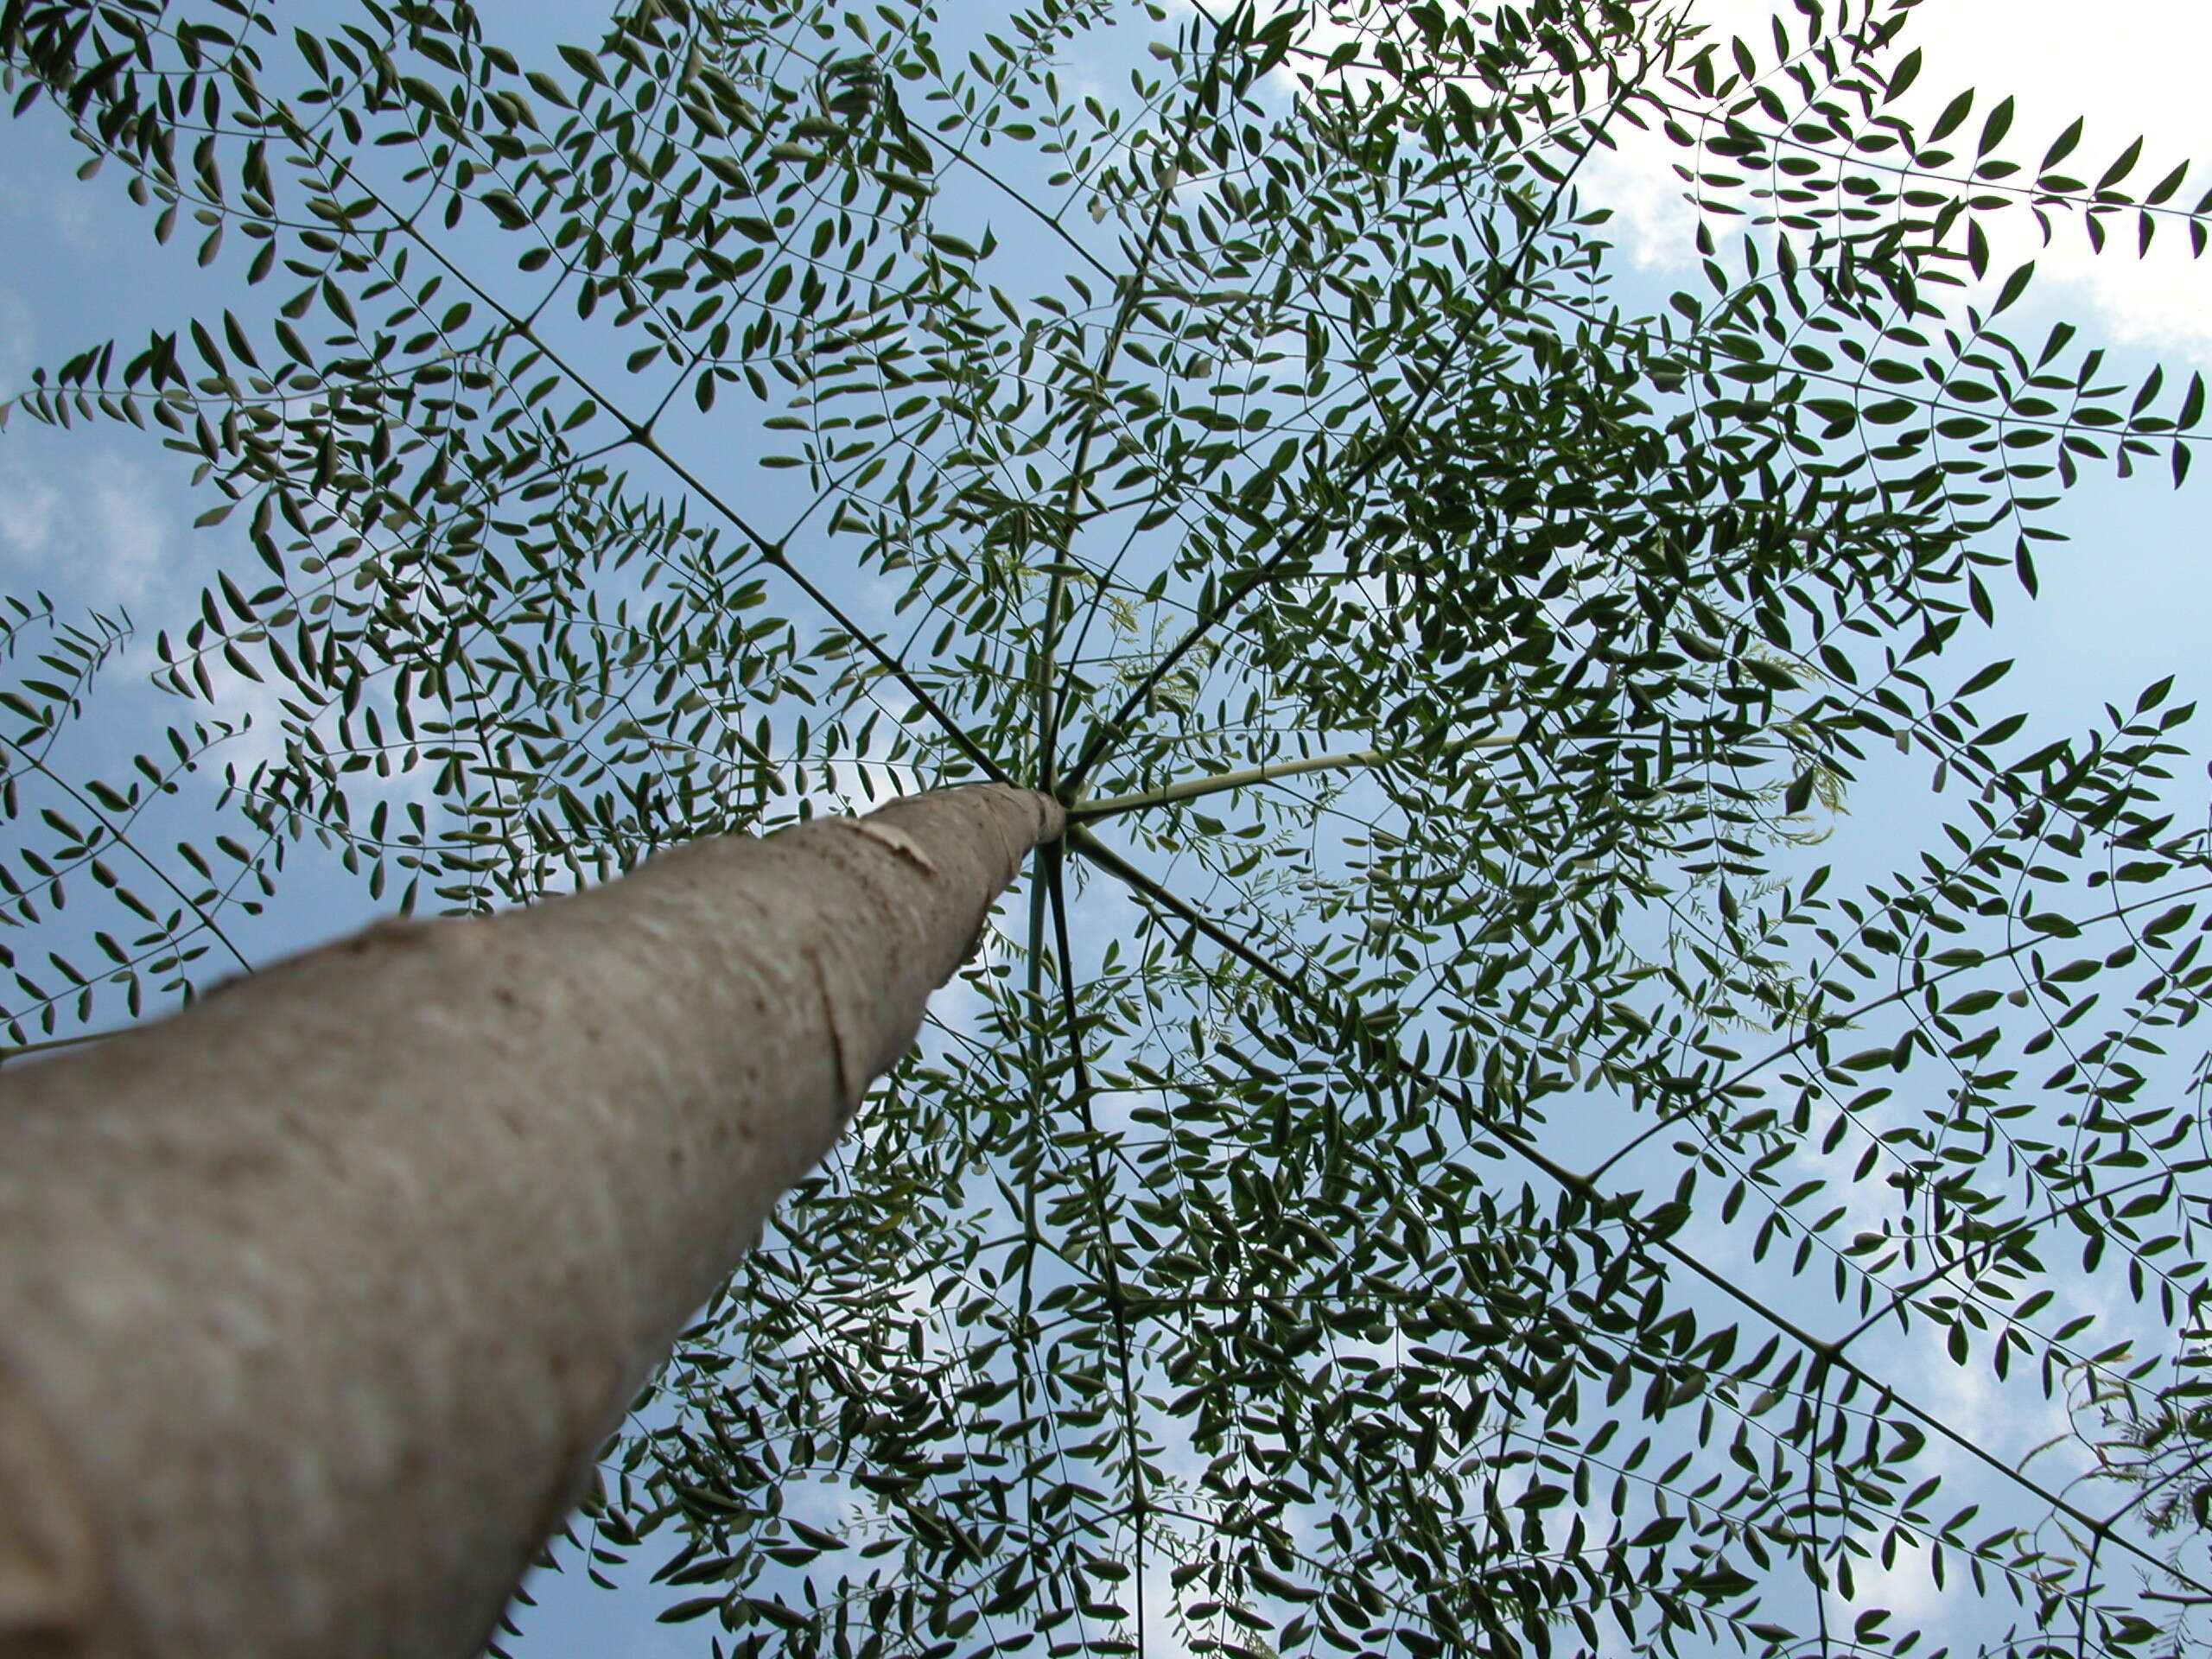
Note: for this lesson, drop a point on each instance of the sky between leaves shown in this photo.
(100, 521)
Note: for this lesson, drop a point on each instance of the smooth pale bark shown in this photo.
(317, 1301)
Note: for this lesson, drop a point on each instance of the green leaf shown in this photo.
(2121, 166)
(2062, 146)
(1984, 678)
(1906, 72)
(2015, 285)
(1973, 1003)
(900, 184)
(1955, 114)
(1994, 129)
(694, 1608)
(510, 212)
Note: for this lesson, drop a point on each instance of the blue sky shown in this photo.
(102, 517)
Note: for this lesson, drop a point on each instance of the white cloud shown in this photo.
(2135, 73)
(29, 509)
(1906, 1589)
(99, 517)
(17, 342)
(73, 211)
(128, 531)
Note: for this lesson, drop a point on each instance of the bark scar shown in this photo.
(849, 1085)
(886, 835)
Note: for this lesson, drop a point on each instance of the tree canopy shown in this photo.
(1435, 1164)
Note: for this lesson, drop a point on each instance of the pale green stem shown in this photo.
(19, 1049)
(1214, 784)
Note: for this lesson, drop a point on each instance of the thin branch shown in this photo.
(1190, 789)
(19, 1049)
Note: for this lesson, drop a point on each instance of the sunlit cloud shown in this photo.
(127, 528)
(30, 510)
(99, 520)
(17, 342)
(73, 213)
(2133, 75)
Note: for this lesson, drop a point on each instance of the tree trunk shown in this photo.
(318, 1300)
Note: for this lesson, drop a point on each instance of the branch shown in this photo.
(1192, 789)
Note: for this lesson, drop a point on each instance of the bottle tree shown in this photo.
(1431, 1163)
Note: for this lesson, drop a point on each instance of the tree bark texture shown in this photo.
(318, 1300)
